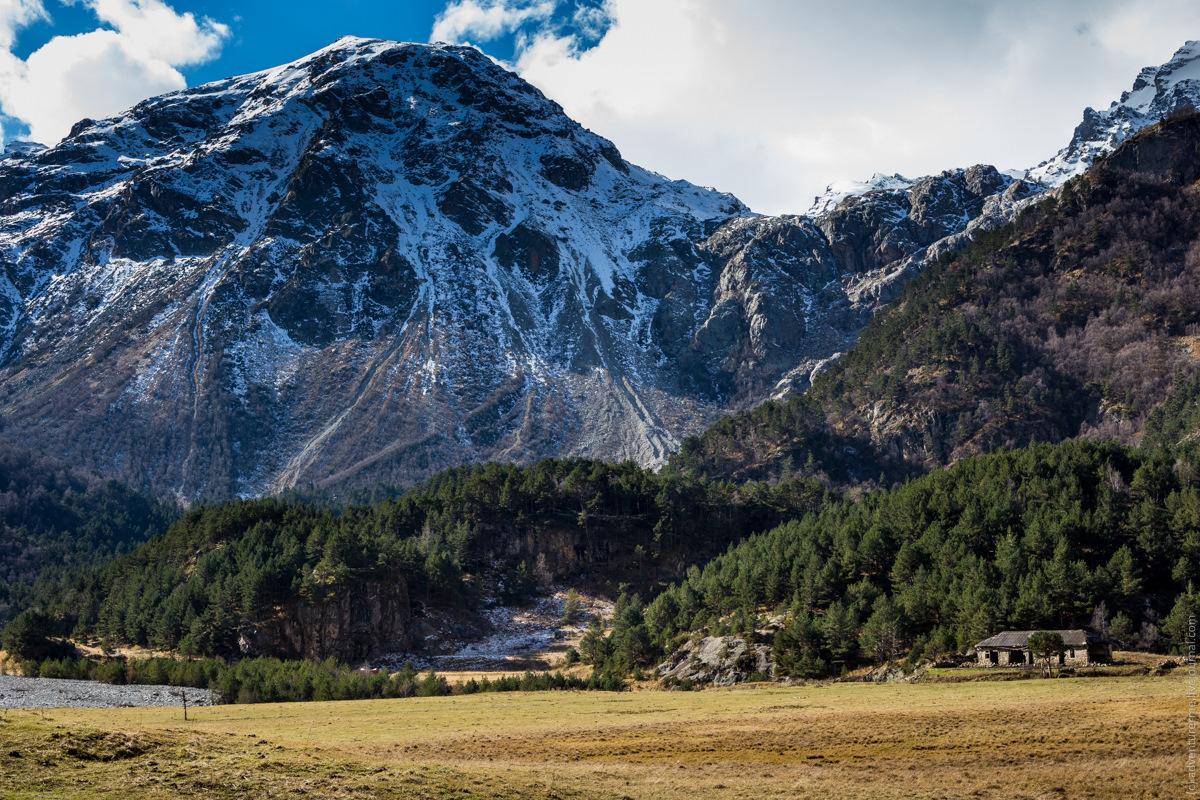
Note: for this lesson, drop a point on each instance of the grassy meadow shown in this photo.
(1066, 738)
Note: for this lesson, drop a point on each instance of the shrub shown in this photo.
(572, 608)
(433, 685)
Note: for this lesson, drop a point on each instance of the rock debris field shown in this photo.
(521, 638)
(16, 692)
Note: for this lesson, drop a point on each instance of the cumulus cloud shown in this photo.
(574, 25)
(101, 72)
(468, 20)
(16, 14)
(774, 99)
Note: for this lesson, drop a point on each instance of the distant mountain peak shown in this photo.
(1156, 93)
(21, 147)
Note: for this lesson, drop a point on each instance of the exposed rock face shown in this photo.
(1157, 92)
(1170, 155)
(360, 622)
(795, 291)
(717, 661)
(879, 287)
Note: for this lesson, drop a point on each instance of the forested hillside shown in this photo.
(1074, 321)
(1039, 537)
(57, 522)
(292, 579)
(1036, 537)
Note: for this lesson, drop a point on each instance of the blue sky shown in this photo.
(266, 34)
(768, 99)
(262, 34)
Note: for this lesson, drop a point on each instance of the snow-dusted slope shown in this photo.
(1156, 93)
(386, 259)
(386, 255)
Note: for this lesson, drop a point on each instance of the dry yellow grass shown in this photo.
(1069, 738)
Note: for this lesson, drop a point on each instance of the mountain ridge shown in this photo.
(1073, 321)
(1157, 92)
(385, 259)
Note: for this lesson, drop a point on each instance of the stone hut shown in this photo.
(1011, 649)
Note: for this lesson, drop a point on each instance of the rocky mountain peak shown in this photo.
(1156, 93)
(383, 256)
(840, 190)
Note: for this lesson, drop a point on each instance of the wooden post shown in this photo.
(183, 695)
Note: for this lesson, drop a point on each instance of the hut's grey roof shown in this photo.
(1072, 638)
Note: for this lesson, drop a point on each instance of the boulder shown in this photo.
(717, 661)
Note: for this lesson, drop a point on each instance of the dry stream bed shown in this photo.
(1067, 738)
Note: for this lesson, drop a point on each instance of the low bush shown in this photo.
(543, 682)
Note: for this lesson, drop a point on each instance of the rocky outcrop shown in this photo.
(795, 291)
(889, 672)
(1170, 155)
(718, 661)
(357, 623)
(876, 288)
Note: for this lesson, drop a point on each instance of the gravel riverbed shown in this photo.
(18, 692)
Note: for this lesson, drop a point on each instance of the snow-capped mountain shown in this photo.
(385, 259)
(378, 253)
(1156, 93)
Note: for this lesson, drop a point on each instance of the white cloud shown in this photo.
(102, 72)
(591, 22)
(465, 20)
(16, 14)
(774, 99)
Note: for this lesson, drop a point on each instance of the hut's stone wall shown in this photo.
(1011, 649)
(1021, 657)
